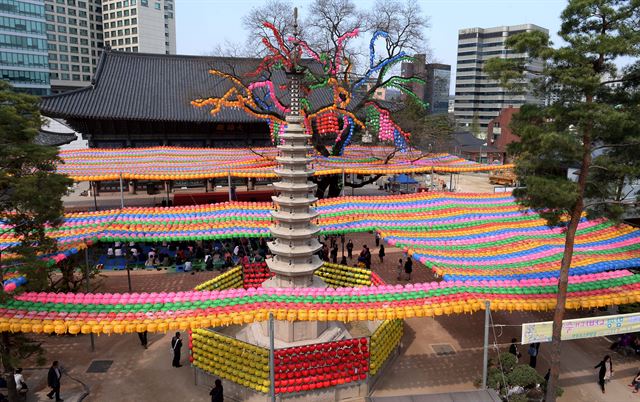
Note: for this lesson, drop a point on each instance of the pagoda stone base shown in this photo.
(296, 333)
(291, 334)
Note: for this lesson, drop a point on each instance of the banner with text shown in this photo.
(582, 328)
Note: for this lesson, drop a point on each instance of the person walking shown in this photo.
(176, 345)
(53, 380)
(350, 249)
(400, 269)
(334, 253)
(534, 348)
(367, 257)
(381, 253)
(377, 239)
(513, 348)
(408, 268)
(217, 392)
(605, 372)
(143, 338)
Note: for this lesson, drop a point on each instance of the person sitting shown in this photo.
(118, 252)
(187, 266)
(21, 385)
(208, 262)
(110, 252)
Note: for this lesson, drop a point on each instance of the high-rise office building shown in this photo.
(74, 33)
(145, 26)
(77, 31)
(23, 45)
(435, 90)
(437, 87)
(477, 97)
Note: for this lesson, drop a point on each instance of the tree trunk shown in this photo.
(563, 282)
(12, 393)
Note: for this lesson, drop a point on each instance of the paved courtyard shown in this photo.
(137, 374)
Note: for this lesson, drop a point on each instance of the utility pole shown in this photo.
(86, 281)
(121, 193)
(485, 350)
(272, 350)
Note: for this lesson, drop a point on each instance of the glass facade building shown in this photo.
(23, 45)
(438, 82)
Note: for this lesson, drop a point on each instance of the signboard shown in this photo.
(582, 328)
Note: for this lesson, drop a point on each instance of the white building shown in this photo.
(145, 26)
(475, 94)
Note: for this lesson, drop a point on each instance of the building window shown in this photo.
(157, 6)
(144, 3)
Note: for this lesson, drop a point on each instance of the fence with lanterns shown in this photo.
(301, 368)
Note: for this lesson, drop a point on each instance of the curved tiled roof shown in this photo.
(157, 87)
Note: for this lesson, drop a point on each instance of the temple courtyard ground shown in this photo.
(137, 374)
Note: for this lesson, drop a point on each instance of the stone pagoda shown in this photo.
(295, 237)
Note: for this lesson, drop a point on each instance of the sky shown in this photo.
(201, 24)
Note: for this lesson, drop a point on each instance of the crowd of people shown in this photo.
(207, 255)
(330, 249)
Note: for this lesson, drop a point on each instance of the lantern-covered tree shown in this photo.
(328, 74)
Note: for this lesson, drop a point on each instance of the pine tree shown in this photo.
(30, 200)
(591, 126)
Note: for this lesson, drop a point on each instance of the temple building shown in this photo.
(143, 100)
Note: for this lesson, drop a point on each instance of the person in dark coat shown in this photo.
(381, 253)
(408, 268)
(334, 253)
(143, 339)
(350, 249)
(513, 349)
(606, 369)
(53, 380)
(176, 345)
(216, 392)
(534, 348)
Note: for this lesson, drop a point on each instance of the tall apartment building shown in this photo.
(78, 30)
(23, 45)
(145, 26)
(74, 33)
(476, 95)
(437, 78)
